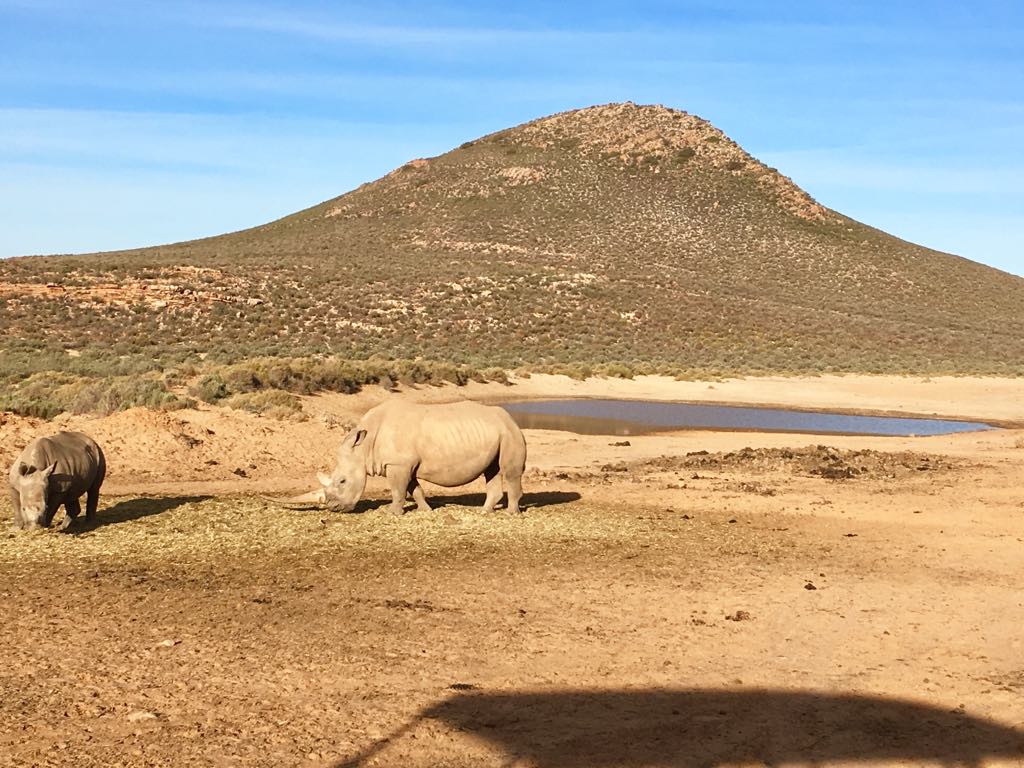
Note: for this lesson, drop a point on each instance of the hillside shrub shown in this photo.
(107, 396)
(273, 403)
(684, 155)
(210, 388)
(45, 395)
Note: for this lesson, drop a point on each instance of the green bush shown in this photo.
(45, 395)
(684, 155)
(107, 396)
(210, 388)
(494, 374)
(40, 408)
(273, 403)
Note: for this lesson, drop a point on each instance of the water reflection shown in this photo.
(636, 417)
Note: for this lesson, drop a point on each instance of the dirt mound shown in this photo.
(190, 446)
(821, 460)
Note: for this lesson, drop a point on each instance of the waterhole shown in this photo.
(637, 417)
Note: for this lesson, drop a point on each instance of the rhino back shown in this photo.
(451, 444)
(77, 456)
(457, 442)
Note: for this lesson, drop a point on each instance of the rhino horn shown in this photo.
(310, 500)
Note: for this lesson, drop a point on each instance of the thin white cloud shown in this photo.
(350, 23)
(376, 34)
(239, 85)
(229, 143)
(691, 27)
(39, 5)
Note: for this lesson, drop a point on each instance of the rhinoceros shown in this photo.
(447, 444)
(56, 470)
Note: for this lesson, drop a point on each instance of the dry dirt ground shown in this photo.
(768, 602)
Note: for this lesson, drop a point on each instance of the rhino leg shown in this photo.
(512, 460)
(72, 508)
(92, 500)
(51, 510)
(492, 476)
(399, 478)
(514, 481)
(16, 503)
(418, 495)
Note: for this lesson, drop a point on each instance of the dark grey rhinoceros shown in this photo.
(56, 470)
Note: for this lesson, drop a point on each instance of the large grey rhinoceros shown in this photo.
(447, 444)
(56, 470)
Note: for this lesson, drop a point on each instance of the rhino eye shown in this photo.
(342, 480)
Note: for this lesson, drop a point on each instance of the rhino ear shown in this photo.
(325, 481)
(49, 470)
(360, 436)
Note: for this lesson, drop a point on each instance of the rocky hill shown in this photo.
(618, 234)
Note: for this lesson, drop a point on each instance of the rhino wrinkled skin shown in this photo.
(56, 470)
(447, 444)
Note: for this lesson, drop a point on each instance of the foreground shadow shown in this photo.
(704, 728)
(133, 509)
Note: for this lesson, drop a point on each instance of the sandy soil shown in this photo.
(858, 604)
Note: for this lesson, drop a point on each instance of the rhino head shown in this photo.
(33, 487)
(344, 487)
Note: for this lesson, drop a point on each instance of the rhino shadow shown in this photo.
(702, 728)
(529, 500)
(133, 509)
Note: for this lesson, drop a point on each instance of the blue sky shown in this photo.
(137, 123)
